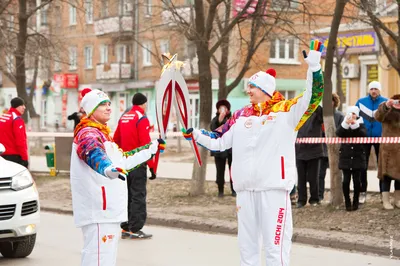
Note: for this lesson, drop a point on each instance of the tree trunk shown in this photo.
(20, 55)
(199, 173)
(336, 177)
(223, 70)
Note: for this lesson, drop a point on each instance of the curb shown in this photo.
(297, 237)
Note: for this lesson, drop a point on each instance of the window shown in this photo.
(103, 53)
(10, 63)
(43, 17)
(288, 94)
(374, 5)
(88, 53)
(284, 51)
(124, 7)
(89, 11)
(72, 15)
(104, 8)
(147, 7)
(147, 54)
(121, 53)
(166, 4)
(164, 46)
(58, 16)
(73, 57)
(11, 22)
(284, 4)
(57, 64)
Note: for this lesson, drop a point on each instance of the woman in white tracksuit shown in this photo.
(99, 193)
(262, 138)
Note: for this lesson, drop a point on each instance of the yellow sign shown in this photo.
(356, 42)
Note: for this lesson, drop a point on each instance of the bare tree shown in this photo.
(387, 30)
(333, 149)
(20, 36)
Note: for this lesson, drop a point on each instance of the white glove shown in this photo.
(313, 60)
(113, 172)
(154, 147)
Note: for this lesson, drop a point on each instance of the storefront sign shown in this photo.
(239, 5)
(360, 42)
(66, 81)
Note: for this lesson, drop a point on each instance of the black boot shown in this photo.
(220, 191)
(355, 199)
(233, 191)
(346, 194)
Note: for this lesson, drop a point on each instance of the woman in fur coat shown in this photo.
(388, 114)
(352, 158)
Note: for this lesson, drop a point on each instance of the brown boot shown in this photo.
(397, 198)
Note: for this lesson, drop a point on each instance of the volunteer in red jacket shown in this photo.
(133, 131)
(13, 133)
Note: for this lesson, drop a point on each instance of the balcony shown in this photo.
(112, 71)
(169, 18)
(190, 67)
(113, 25)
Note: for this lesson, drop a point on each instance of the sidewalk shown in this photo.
(183, 170)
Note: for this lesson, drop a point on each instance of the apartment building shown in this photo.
(115, 46)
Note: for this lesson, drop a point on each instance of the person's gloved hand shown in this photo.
(187, 134)
(313, 58)
(113, 172)
(153, 175)
(161, 145)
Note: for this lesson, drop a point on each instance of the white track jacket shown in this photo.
(262, 138)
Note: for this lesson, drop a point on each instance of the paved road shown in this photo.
(59, 243)
(182, 170)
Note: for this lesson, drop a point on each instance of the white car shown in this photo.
(19, 209)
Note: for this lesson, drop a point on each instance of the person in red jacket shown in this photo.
(13, 133)
(132, 132)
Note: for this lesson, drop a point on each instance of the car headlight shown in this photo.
(22, 180)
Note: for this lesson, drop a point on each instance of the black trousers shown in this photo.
(307, 171)
(347, 174)
(364, 178)
(137, 212)
(387, 180)
(16, 159)
(220, 164)
(324, 164)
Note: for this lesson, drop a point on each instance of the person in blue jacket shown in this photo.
(368, 106)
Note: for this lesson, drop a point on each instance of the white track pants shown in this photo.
(264, 217)
(100, 242)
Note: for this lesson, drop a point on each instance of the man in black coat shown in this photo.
(308, 159)
(352, 157)
(222, 115)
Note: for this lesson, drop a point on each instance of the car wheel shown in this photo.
(19, 249)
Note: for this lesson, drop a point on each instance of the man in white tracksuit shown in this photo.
(99, 193)
(262, 137)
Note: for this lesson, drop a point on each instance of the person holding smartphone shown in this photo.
(352, 158)
(388, 114)
(222, 115)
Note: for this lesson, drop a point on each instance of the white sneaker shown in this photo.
(362, 198)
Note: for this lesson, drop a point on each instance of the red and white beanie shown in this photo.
(91, 99)
(265, 81)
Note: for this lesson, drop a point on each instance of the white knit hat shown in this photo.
(92, 99)
(353, 109)
(374, 85)
(265, 81)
